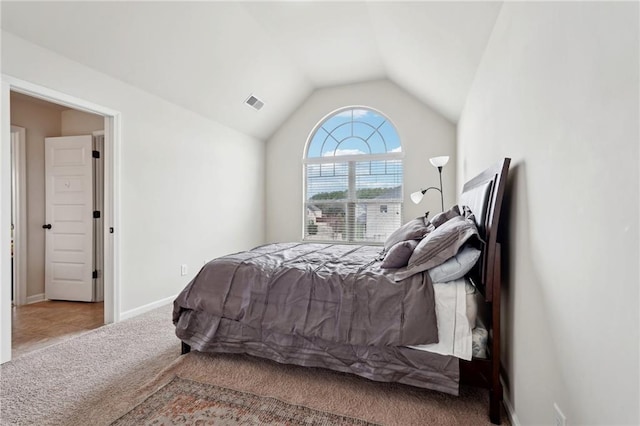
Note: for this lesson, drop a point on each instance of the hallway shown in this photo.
(37, 325)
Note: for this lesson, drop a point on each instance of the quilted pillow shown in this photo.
(456, 267)
(441, 218)
(440, 245)
(413, 230)
(398, 255)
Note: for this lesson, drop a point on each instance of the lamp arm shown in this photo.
(424, 191)
(437, 189)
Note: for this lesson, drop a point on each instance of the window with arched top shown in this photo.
(353, 178)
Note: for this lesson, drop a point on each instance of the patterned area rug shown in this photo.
(186, 402)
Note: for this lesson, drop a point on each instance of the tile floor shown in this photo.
(42, 324)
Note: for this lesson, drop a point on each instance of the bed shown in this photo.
(405, 312)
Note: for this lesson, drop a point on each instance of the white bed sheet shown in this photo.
(454, 332)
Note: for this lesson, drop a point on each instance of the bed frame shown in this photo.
(488, 189)
(484, 195)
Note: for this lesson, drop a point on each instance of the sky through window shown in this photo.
(356, 131)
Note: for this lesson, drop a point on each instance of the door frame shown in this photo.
(19, 213)
(111, 156)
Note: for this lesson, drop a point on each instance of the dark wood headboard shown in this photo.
(483, 194)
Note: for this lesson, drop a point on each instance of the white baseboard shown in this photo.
(35, 298)
(511, 413)
(146, 308)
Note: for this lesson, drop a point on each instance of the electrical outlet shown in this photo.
(183, 269)
(560, 419)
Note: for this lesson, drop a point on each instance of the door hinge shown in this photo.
(96, 214)
(96, 154)
(95, 274)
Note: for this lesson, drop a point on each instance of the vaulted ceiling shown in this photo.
(210, 56)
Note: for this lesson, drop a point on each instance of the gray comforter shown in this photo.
(336, 293)
(317, 305)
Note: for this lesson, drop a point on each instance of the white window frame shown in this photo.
(351, 191)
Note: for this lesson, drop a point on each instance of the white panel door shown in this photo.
(69, 218)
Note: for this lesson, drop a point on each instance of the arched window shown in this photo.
(353, 178)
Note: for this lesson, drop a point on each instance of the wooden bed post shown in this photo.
(495, 392)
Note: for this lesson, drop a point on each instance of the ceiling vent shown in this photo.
(254, 102)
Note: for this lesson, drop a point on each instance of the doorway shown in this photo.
(110, 120)
(58, 241)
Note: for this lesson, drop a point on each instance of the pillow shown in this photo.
(441, 218)
(438, 246)
(468, 214)
(456, 267)
(398, 255)
(413, 230)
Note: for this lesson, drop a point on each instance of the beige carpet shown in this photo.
(99, 376)
(59, 384)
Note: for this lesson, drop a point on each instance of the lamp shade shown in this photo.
(439, 161)
(416, 197)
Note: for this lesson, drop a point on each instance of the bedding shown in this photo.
(380, 363)
(415, 229)
(399, 254)
(455, 267)
(454, 325)
(247, 303)
(336, 293)
(442, 217)
(428, 366)
(439, 245)
(335, 306)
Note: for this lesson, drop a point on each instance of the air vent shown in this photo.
(254, 103)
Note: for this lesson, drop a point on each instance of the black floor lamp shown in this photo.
(438, 162)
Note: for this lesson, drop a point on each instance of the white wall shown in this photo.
(557, 90)
(40, 121)
(183, 177)
(423, 133)
(75, 123)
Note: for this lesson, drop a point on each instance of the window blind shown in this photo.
(353, 201)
